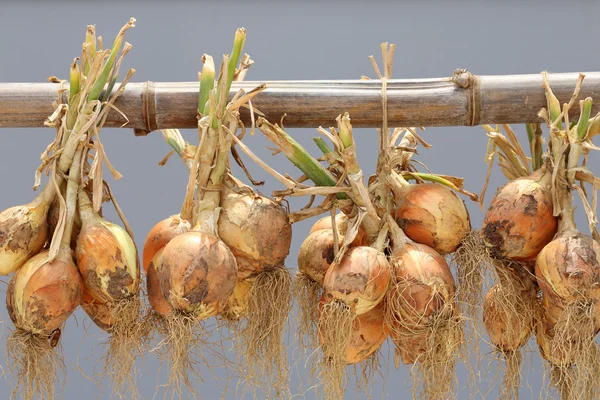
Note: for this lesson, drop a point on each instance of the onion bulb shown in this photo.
(161, 234)
(197, 273)
(99, 312)
(360, 280)
(433, 215)
(43, 294)
(257, 230)
(157, 300)
(519, 221)
(237, 304)
(316, 254)
(341, 221)
(23, 231)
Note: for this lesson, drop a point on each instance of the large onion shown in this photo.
(42, 294)
(23, 231)
(197, 273)
(519, 221)
(433, 215)
(360, 280)
(257, 230)
(161, 234)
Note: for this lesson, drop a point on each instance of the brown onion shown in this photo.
(106, 257)
(236, 306)
(161, 234)
(99, 312)
(433, 215)
(43, 294)
(360, 280)
(341, 222)
(257, 230)
(508, 329)
(316, 254)
(519, 221)
(369, 331)
(23, 231)
(197, 273)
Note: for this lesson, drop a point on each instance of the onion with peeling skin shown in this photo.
(369, 331)
(433, 215)
(24, 230)
(341, 222)
(316, 254)
(106, 257)
(508, 329)
(197, 273)
(43, 294)
(157, 301)
(360, 280)
(519, 221)
(99, 312)
(236, 306)
(161, 234)
(257, 230)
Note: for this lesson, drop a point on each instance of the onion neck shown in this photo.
(86, 211)
(397, 236)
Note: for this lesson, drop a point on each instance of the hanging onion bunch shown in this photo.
(47, 286)
(224, 253)
(567, 269)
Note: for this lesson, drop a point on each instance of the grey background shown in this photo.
(295, 40)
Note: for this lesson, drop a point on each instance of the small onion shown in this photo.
(360, 280)
(43, 294)
(316, 254)
(433, 215)
(23, 231)
(519, 221)
(197, 273)
(341, 222)
(99, 312)
(257, 230)
(107, 258)
(237, 304)
(161, 234)
(508, 329)
(369, 331)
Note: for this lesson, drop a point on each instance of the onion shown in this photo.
(360, 280)
(519, 221)
(43, 294)
(106, 257)
(161, 234)
(257, 230)
(341, 221)
(23, 231)
(433, 215)
(157, 301)
(508, 329)
(237, 304)
(197, 273)
(100, 313)
(369, 331)
(316, 254)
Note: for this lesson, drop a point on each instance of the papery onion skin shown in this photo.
(316, 254)
(107, 260)
(197, 273)
(161, 234)
(519, 221)
(569, 267)
(360, 279)
(507, 331)
(99, 313)
(23, 234)
(236, 306)
(42, 295)
(342, 224)
(433, 215)
(157, 300)
(256, 230)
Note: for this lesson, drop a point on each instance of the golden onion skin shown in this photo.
(23, 234)
(341, 222)
(197, 273)
(42, 295)
(360, 279)
(107, 260)
(257, 230)
(507, 331)
(426, 280)
(433, 215)
(157, 301)
(316, 254)
(369, 331)
(99, 313)
(161, 234)
(410, 345)
(569, 267)
(519, 221)
(236, 306)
